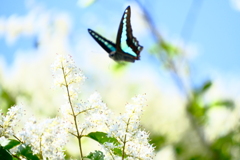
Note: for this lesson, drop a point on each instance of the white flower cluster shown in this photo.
(48, 137)
(10, 121)
(66, 73)
(100, 115)
(126, 129)
(68, 76)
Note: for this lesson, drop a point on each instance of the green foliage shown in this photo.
(102, 138)
(165, 47)
(23, 150)
(97, 155)
(6, 99)
(4, 150)
(157, 140)
(12, 143)
(167, 53)
(4, 154)
(170, 49)
(223, 103)
(222, 147)
(26, 151)
(198, 92)
(199, 157)
(196, 107)
(199, 109)
(183, 153)
(227, 146)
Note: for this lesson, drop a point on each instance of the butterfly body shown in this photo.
(120, 56)
(126, 47)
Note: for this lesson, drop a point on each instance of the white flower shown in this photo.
(10, 121)
(47, 138)
(3, 141)
(66, 73)
(95, 98)
(125, 128)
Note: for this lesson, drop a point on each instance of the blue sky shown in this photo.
(216, 32)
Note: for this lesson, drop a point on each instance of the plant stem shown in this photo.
(73, 113)
(17, 138)
(124, 141)
(40, 144)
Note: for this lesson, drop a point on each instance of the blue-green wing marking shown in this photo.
(107, 45)
(125, 40)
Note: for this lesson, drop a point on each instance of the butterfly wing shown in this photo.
(107, 45)
(126, 42)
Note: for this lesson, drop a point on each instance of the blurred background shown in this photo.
(189, 67)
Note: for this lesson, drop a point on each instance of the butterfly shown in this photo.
(126, 47)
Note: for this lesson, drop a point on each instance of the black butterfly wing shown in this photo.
(126, 42)
(107, 45)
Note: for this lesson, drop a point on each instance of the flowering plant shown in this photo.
(119, 136)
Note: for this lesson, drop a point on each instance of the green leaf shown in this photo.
(4, 154)
(223, 146)
(97, 155)
(26, 151)
(163, 46)
(12, 143)
(157, 140)
(206, 85)
(223, 103)
(169, 48)
(102, 137)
